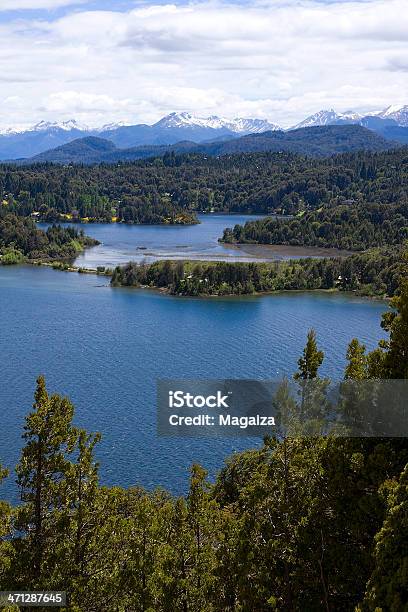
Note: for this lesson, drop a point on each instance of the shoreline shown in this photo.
(60, 267)
(84, 221)
(288, 251)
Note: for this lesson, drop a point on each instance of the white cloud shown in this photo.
(281, 60)
(19, 5)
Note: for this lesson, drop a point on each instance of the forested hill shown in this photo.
(352, 202)
(315, 141)
(173, 188)
(344, 227)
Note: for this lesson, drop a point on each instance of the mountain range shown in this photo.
(391, 123)
(175, 127)
(315, 141)
(22, 143)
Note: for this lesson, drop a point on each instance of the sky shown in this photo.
(102, 61)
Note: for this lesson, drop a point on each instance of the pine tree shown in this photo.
(390, 359)
(396, 323)
(79, 521)
(388, 586)
(41, 474)
(203, 521)
(313, 403)
(357, 361)
(355, 398)
(177, 563)
(96, 540)
(225, 589)
(286, 413)
(311, 360)
(145, 530)
(6, 549)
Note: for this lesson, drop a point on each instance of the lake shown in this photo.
(121, 243)
(105, 348)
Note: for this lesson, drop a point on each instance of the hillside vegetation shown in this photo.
(344, 227)
(373, 273)
(21, 239)
(173, 188)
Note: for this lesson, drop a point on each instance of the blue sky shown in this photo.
(60, 8)
(103, 61)
(54, 11)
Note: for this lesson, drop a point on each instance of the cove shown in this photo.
(105, 348)
(121, 243)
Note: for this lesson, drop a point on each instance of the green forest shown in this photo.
(297, 524)
(21, 240)
(374, 273)
(353, 228)
(173, 188)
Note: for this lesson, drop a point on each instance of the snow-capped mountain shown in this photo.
(46, 126)
(9, 131)
(350, 116)
(112, 126)
(173, 128)
(251, 126)
(72, 124)
(328, 117)
(19, 142)
(238, 125)
(67, 126)
(398, 113)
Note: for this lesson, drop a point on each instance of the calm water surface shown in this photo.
(106, 348)
(121, 243)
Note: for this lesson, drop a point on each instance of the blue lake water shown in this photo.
(121, 243)
(105, 348)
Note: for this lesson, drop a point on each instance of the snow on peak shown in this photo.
(391, 110)
(322, 117)
(350, 116)
(396, 112)
(238, 125)
(108, 127)
(67, 126)
(329, 117)
(251, 126)
(10, 131)
(177, 120)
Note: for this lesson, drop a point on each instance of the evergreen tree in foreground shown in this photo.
(313, 407)
(395, 362)
(311, 360)
(41, 475)
(388, 585)
(6, 549)
(356, 361)
(390, 359)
